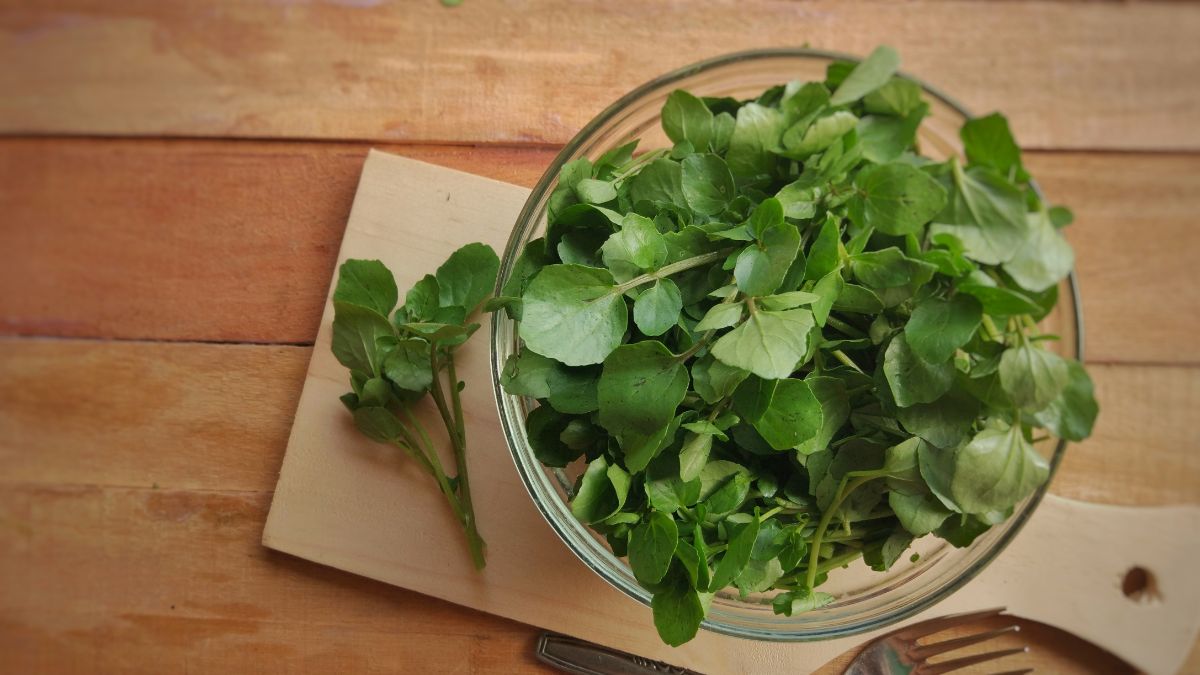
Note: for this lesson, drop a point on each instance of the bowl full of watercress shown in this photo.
(789, 345)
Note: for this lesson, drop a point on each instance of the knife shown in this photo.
(585, 658)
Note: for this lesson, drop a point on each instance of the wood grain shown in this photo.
(200, 240)
(1094, 75)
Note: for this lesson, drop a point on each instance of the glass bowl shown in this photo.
(866, 600)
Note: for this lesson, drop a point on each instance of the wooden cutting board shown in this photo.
(347, 502)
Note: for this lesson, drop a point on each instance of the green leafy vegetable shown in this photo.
(833, 349)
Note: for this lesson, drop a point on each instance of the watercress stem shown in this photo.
(675, 267)
(841, 356)
(845, 327)
(814, 555)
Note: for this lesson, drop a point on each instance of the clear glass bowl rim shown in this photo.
(512, 249)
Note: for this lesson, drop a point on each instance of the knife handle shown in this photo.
(585, 658)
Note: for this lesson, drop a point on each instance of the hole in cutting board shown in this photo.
(1139, 584)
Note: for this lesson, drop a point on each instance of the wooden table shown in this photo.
(174, 180)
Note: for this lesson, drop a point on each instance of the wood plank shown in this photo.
(79, 597)
(217, 417)
(123, 242)
(156, 581)
(1102, 75)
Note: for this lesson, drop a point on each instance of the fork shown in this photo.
(899, 653)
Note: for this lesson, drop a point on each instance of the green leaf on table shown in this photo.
(911, 379)
(467, 277)
(422, 300)
(573, 314)
(768, 344)
(408, 366)
(686, 118)
(1072, 414)
(652, 547)
(366, 283)
(379, 424)
(871, 74)
(656, 309)
(793, 416)
(707, 183)
(939, 327)
(355, 332)
(996, 470)
(896, 198)
(1032, 377)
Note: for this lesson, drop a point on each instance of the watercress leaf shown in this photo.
(1033, 377)
(758, 576)
(789, 300)
(355, 331)
(694, 455)
(919, 513)
(652, 547)
(898, 97)
(988, 142)
(1043, 259)
(737, 556)
(880, 554)
(895, 198)
(884, 139)
(602, 491)
(768, 344)
(659, 182)
(422, 300)
(714, 380)
(636, 247)
(678, 612)
(857, 300)
(802, 141)
(755, 135)
(532, 259)
(573, 314)
(707, 183)
(888, 268)
(375, 392)
(408, 366)
(996, 470)
(793, 416)
(800, 601)
(379, 424)
(911, 379)
(595, 191)
(827, 290)
(1072, 414)
(721, 315)
(945, 422)
(936, 466)
(766, 216)
(869, 75)
(544, 427)
(962, 531)
(998, 301)
(823, 256)
(939, 327)
(366, 283)
(986, 213)
(686, 118)
(802, 100)
(762, 266)
(656, 309)
(640, 388)
(467, 277)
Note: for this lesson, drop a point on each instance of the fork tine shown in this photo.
(955, 664)
(920, 630)
(920, 653)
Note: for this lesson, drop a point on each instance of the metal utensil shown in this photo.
(900, 653)
(897, 653)
(586, 658)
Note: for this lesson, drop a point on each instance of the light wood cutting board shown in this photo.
(347, 502)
